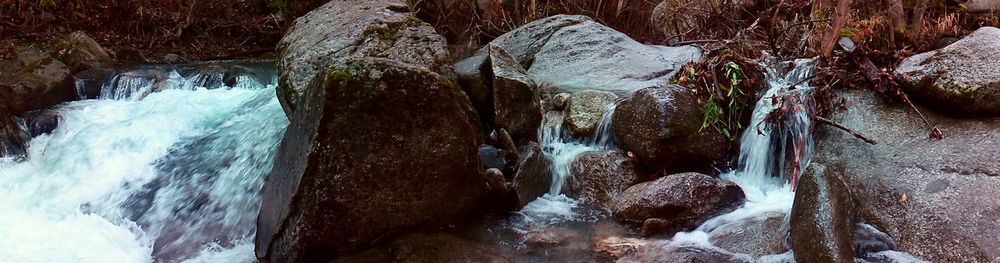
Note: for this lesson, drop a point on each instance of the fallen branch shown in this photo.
(848, 130)
(935, 133)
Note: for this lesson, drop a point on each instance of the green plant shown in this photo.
(724, 118)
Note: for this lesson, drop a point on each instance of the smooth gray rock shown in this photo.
(534, 174)
(763, 234)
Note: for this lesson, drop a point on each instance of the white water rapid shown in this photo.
(163, 167)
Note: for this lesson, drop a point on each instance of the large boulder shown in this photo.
(13, 140)
(822, 219)
(573, 53)
(80, 52)
(599, 176)
(534, 173)
(932, 196)
(662, 126)
(676, 202)
(759, 235)
(978, 6)
(378, 142)
(962, 78)
(586, 109)
(379, 28)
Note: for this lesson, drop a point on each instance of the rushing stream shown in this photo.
(165, 165)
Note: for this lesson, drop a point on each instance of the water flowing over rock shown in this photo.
(343, 31)
(963, 77)
(927, 195)
(534, 174)
(599, 176)
(676, 202)
(760, 235)
(378, 141)
(585, 109)
(822, 218)
(662, 126)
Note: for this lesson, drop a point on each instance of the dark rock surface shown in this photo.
(80, 52)
(516, 99)
(662, 126)
(822, 219)
(945, 215)
(427, 248)
(676, 202)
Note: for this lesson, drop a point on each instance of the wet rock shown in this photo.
(379, 141)
(556, 243)
(822, 219)
(979, 6)
(428, 248)
(680, 200)
(662, 126)
(516, 100)
(585, 109)
(13, 140)
(574, 53)
(613, 248)
(533, 174)
(944, 217)
(665, 252)
(559, 101)
(41, 122)
(892, 257)
(962, 78)
(760, 235)
(599, 176)
(491, 157)
(340, 32)
(33, 80)
(80, 52)
(869, 240)
(88, 83)
(676, 17)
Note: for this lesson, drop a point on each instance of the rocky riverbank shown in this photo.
(564, 139)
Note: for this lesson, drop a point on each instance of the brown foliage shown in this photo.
(144, 30)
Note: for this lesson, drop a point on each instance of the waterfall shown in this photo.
(161, 167)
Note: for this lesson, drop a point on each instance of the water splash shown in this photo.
(166, 176)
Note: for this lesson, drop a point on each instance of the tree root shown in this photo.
(842, 127)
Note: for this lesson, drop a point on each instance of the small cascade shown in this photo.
(562, 149)
(137, 83)
(164, 167)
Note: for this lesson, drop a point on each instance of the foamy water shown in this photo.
(172, 176)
